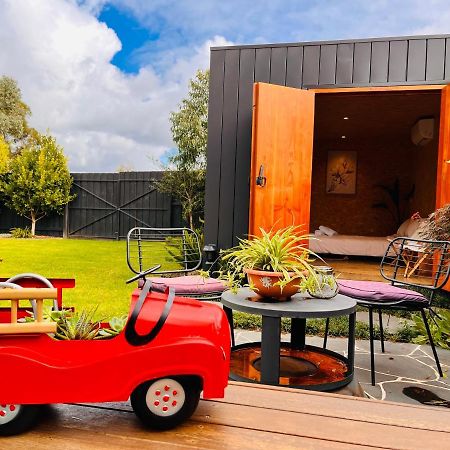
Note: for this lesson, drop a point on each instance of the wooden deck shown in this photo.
(250, 417)
(355, 268)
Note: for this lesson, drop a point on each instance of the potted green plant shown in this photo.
(277, 264)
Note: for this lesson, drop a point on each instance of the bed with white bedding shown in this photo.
(344, 244)
(328, 241)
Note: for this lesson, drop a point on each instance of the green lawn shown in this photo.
(99, 268)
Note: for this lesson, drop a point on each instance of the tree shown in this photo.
(184, 177)
(13, 111)
(38, 181)
(4, 155)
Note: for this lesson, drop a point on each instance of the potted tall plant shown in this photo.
(277, 264)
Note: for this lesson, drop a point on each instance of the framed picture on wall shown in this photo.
(341, 172)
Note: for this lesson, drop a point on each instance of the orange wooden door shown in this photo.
(282, 148)
(443, 170)
(443, 174)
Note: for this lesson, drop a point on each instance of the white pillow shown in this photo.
(403, 227)
(413, 227)
(327, 231)
(318, 233)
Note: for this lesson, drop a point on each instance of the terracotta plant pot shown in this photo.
(263, 283)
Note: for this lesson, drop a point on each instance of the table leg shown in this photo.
(298, 331)
(351, 341)
(229, 313)
(270, 350)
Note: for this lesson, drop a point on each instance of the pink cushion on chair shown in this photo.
(378, 292)
(191, 284)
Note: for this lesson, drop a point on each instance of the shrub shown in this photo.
(21, 233)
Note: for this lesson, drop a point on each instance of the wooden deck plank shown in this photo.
(250, 417)
(322, 428)
(333, 405)
(84, 427)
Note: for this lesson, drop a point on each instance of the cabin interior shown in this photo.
(376, 126)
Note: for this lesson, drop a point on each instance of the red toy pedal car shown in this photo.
(171, 349)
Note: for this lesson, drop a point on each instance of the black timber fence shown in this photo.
(107, 205)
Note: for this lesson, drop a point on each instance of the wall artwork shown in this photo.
(341, 172)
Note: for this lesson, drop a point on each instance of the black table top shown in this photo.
(299, 306)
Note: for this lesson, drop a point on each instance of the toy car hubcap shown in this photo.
(165, 397)
(8, 413)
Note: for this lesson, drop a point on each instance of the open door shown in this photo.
(443, 169)
(282, 149)
(443, 174)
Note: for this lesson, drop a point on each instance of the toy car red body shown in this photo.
(162, 363)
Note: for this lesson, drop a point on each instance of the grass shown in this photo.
(98, 266)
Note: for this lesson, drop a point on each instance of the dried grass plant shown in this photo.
(437, 226)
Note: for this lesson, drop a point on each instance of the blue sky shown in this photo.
(104, 75)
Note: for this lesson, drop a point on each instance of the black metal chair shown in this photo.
(171, 256)
(431, 263)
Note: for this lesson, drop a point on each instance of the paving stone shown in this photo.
(412, 362)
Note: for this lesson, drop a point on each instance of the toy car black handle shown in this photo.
(131, 334)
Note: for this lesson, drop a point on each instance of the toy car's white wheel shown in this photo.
(166, 402)
(165, 397)
(15, 419)
(8, 413)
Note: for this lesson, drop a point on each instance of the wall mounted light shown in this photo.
(345, 118)
(343, 137)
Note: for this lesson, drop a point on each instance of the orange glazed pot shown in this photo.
(263, 283)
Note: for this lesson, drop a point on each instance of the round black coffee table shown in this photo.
(291, 364)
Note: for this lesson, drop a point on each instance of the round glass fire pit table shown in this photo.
(291, 364)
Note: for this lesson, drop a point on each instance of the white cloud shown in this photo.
(60, 55)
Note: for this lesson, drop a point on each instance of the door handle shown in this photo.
(261, 179)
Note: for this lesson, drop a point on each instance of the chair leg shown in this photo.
(430, 338)
(380, 320)
(325, 337)
(372, 353)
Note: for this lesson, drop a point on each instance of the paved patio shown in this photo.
(401, 366)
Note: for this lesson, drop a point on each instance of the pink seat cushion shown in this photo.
(375, 291)
(191, 284)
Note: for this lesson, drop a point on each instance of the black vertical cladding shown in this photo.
(262, 65)
(447, 59)
(344, 64)
(294, 67)
(244, 142)
(435, 59)
(417, 57)
(398, 55)
(379, 62)
(215, 106)
(368, 62)
(327, 65)
(278, 66)
(229, 135)
(311, 64)
(361, 62)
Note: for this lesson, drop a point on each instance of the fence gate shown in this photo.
(109, 204)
